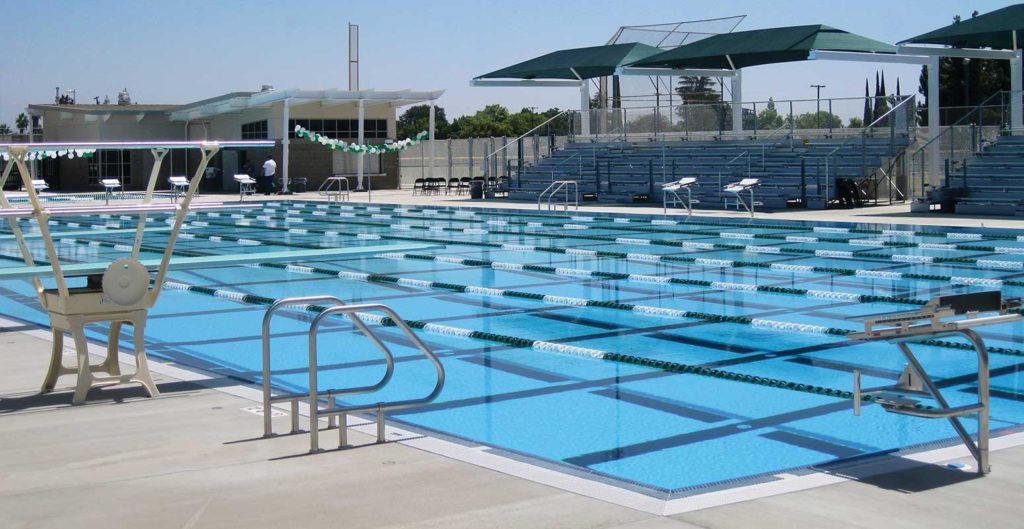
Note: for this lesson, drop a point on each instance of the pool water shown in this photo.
(663, 352)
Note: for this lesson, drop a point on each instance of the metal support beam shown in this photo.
(361, 138)
(933, 121)
(851, 56)
(584, 109)
(684, 72)
(284, 146)
(962, 53)
(737, 103)
(1016, 103)
(433, 150)
(520, 83)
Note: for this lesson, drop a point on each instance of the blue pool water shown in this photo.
(682, 291)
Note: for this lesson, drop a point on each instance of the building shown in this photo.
(267, 114)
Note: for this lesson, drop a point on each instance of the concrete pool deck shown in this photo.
(191, 458)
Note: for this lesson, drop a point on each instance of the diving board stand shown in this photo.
(949, 315)
(116, 293)
(670, 194)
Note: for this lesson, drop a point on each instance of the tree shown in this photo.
(869, 110)
(492, 121)
(4, 129)
(821, 119)
(855, 123)
(649, 123)
(769, 118)
(963, 83)
(702, 107)
(417, 119)
(881, 100)
(21, 122)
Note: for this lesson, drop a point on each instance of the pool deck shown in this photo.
(192, 458)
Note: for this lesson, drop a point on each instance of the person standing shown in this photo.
(269, 170)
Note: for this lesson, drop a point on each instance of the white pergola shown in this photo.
(326, 98)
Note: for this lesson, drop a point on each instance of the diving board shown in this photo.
(116, 293)
(214, 261)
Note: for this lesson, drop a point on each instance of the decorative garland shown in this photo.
(41, 155)
(340, 145)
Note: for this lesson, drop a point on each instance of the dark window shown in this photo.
(257, 130)
(342, 129)
(111, 164)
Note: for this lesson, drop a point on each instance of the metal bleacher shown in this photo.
(991, 182)
(790, 172)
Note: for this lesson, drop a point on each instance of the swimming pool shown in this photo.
(666, 354)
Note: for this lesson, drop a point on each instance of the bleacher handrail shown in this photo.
(523, 135)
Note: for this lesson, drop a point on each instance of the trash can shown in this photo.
(298, 185)
(476, 189)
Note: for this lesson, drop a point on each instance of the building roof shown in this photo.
(991, 30)
(729, 51)
(238, 101)
(576, 63)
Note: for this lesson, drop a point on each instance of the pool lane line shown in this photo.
(669, 222)
(778, 267)
(716, 318)
(875, 243)
(542, 346)
(838, 254)
(965, 280)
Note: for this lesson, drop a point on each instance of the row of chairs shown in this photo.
(458, 186)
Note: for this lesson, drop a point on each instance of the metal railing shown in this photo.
(729, 164)
(559, 185)
(327, 188)
(489, 156)
(337, 415)
(576, 156)
(960, 140)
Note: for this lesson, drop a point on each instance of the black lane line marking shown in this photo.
(661, 405)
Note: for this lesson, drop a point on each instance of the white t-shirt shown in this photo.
(269, 168)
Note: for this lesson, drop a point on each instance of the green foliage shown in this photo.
(855, 123)
(649, 123)
(4, 128)
(417, 119)
(497, 121)
(21, 122)
(818, 120)
(769, 118)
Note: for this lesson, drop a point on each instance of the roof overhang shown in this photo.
(521, 83)
(294, 97)
(963, 53)
(685, 72)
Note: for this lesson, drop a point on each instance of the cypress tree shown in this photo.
(868, 111)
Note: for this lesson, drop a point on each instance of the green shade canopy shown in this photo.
(595, 61)
(763, 46)
(991, 30)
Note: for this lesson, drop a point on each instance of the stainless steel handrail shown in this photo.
(326, 188)
(523, 135)
(294, 398)
(561, 162)
(352, 311)
(557, 186)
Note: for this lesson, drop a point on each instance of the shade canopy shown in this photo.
(594, 61)
(763, 46)
(991, 30)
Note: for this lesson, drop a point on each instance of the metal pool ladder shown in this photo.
(554, 188)
(338, 415)
(335, 188)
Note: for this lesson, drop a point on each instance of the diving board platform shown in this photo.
(215, 261)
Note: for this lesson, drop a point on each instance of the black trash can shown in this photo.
(298, 185)
(476, 189)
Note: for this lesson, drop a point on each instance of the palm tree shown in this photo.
(4, 129)
(21, 122)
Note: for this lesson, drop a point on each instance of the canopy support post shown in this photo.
(1016, 103)
(933, 121)
(584, 109)
(284, 146)
(433, 151)
(737, 103)
(360, 141)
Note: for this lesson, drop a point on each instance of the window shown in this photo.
(111, 164)
(257, 130)
(341, 129)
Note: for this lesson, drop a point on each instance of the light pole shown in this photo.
(817, 113)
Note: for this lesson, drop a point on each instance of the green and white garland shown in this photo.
(340, 145)
(42, 155)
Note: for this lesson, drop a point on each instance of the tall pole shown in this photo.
(817, 113)
(353, 57)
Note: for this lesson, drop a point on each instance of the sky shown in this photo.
(186, 50)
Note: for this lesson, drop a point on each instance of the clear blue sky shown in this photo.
(185, 50)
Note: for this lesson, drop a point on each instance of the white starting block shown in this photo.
(246, 185)
(179, 184)
(670, 194)
(109, 186)
(948, 315)
(736, 189)
(40, 185)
